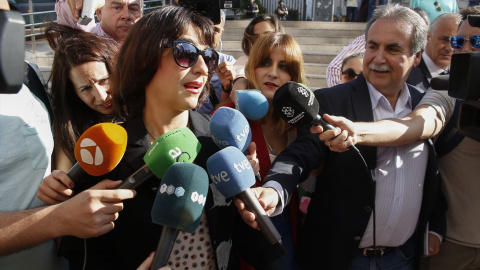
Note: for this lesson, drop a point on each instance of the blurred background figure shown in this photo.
(352, 66)
(282, 11)
(436, 7)
(251, 10)
(352, 10)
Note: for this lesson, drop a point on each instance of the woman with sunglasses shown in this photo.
(352, 66)
(163, 70)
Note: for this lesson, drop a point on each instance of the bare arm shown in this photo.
(422, 123)
(89, 214)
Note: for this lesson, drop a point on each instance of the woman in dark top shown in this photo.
(157, 87)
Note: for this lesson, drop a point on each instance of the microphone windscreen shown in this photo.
(178, 145)
(229, 127)
(251, 103)
(100, 148)
(230, 171)
(181, 197)
(440, 82)
(296, 104)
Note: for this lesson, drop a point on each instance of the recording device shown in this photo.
(232, 175)
(463, 84)
(251, 103)
(178, 145)
(87, 13)
(230, 128)
(178, 206)
(297, 105)
(209, 8)
(98, 151)
(12, 51)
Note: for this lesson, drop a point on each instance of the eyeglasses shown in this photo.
(186, 55)
(350, 74)
(457, 42)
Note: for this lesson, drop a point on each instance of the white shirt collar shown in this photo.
(378, 99)
(432, 67)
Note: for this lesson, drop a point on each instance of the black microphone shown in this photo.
(440, 82)
(297, 105)
(178, 206)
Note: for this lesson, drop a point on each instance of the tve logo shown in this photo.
(243, 135)
(90, 153)
(223, 176)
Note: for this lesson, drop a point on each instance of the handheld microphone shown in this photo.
(178, 206)
(98, 150)
(297, 105)
(251, 103)
(232, 175)
(230, 128)
(178, 145)
(440, 82)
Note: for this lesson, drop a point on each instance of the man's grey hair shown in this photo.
(402, 16)
(457, 18)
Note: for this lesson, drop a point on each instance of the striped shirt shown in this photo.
(399, 178)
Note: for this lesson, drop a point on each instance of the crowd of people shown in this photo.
(397, 202)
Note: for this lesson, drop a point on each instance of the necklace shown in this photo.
(270, 148)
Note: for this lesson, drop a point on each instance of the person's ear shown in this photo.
(99, 13)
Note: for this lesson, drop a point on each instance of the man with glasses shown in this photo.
(438, 53)
(116, 17)
(458, 164)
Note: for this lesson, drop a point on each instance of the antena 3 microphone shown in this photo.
(178, 145)
(98, 150)
(178, 206)
(297, 105)
(232, 175)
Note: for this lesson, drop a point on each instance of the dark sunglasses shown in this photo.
(457, 42)
(350, 74)
(186, 55)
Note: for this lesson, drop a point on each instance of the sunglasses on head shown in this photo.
(350, 73)
(186, 55)
(457, 42)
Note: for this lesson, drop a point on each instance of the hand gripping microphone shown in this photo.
(178, 145)
(297, 105)
(98, 150)
(178, 206)
(251, 103)
(230, 128)
(232, 175)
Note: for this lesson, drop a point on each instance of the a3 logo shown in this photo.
(90, 152)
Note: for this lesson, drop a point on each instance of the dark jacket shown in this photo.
(420, 76)
(135, 236)
(342, 204)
